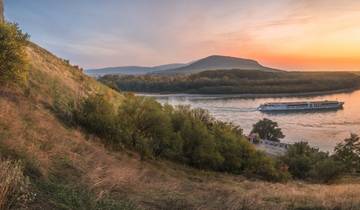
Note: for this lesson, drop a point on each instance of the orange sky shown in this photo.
(286, 34)
(311, 35)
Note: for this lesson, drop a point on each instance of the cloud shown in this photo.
(96, 33)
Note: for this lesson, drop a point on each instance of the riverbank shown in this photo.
(250, 95)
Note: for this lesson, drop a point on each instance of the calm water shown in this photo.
(320, 129)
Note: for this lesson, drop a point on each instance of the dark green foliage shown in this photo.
(199, 146)
(12, 54)
(305, 162)
(348, 153)
(98, 116)
(180, 134)
(145, 126)
(236, 82)
(194, 137)
(326, 170)
(268, 130)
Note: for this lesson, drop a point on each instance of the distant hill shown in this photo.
(131, 70)
(214, 62)
(218, 62)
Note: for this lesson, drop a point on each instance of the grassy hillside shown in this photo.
(71, 169)
(237, 82)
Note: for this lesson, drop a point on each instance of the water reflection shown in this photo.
(322, 129)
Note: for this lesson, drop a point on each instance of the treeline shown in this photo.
(180, 134)
(236, 82)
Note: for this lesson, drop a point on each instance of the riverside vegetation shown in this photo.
(55, 121)
(237, 82)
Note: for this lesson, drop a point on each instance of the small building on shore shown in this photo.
(270, 147)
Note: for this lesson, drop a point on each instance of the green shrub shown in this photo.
(305, 162)
(13, 65)
(145, 127)
(199, 146)
(184, 135)
(97, 116)
(326, 170)
(348, 152)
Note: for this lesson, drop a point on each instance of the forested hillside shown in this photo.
(237, 82)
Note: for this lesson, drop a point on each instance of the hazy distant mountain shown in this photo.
(169, 66)
(132, 70)
(218, 62)
(214, 62)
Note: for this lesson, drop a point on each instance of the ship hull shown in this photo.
(308, 107)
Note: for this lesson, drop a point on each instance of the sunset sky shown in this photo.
(287, 34)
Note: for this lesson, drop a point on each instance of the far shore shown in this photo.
(253, 95)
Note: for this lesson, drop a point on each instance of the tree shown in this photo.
(348, 153)
(12, 54)
(268, 130)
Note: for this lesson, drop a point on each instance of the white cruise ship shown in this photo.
(298, 106)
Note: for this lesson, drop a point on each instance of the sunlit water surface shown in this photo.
(321, 129)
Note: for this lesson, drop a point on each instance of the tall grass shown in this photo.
(14, 186)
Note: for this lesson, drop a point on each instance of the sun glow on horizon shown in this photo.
(285, 34)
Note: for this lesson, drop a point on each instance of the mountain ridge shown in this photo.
(209, 63)
(219, 62)
(131, 70)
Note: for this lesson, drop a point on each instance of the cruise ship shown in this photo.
(300, 106)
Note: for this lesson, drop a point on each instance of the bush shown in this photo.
(326, 170)
(180, 134)
(97, 116)
(199, 146)
(144, 126)
(305, 162)
(12, 54)
(348, 153)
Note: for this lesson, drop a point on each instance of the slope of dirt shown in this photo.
(29, 128)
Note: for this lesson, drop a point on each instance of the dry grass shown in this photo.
(14, 186)
(28, 127)
(49, 73)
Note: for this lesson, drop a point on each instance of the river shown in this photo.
(321, 129)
